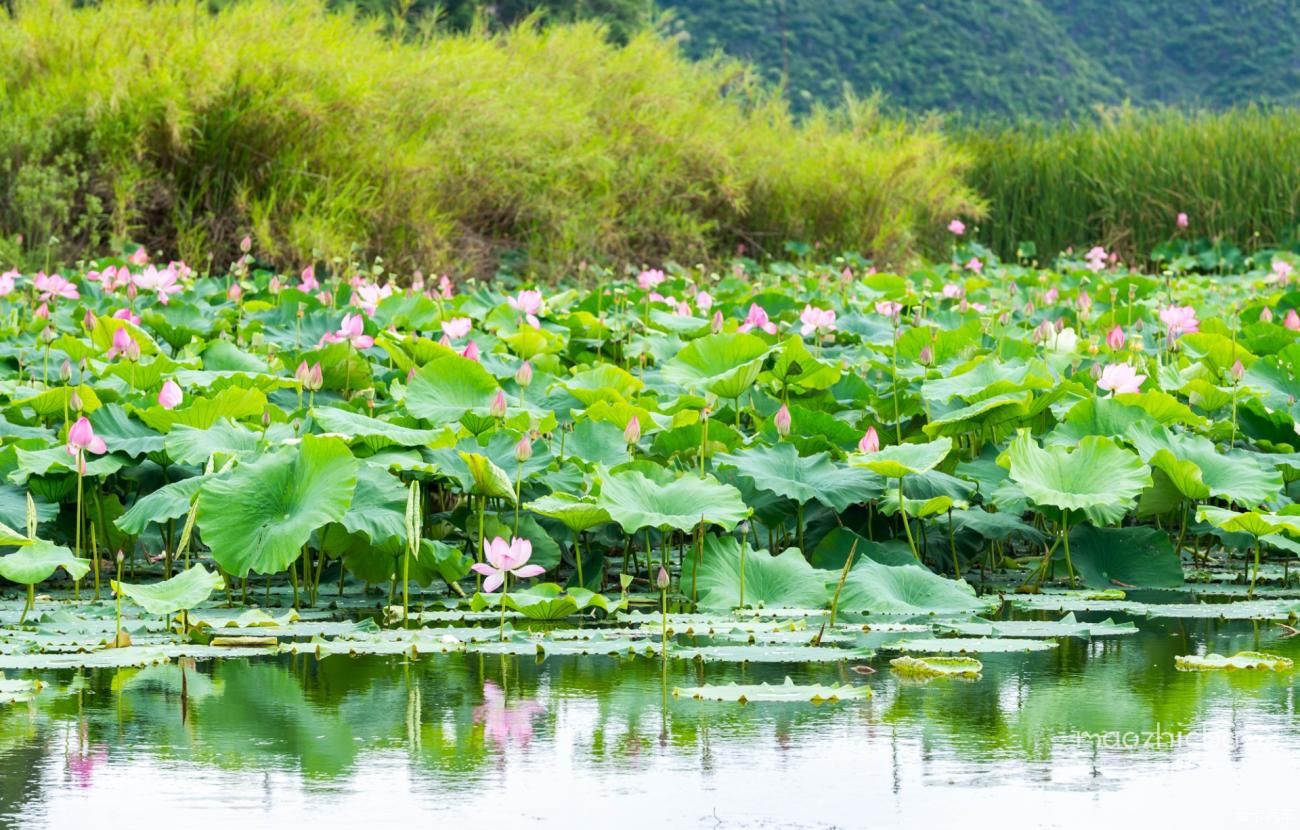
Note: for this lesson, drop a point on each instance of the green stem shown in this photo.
(1254, 576)
(1065, 539)
(844, 575)
(31, 602)
(907, 527)
(798, 517)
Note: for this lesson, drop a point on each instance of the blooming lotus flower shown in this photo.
(1063, 341)
(1051, 296)
(367, 296)
(8, 280)
(505, 722)
(82, 439)
(951, 291)
(956, 227)
(445, 288)
(124, 314)
(170, 396)
(1120, 378)
(1280, 270)
(1292, 320)
(782, 421)
(527, 303)
(457, 327)
(1180, 320)
(308, 282)
(1115, 338)
(704, 301)
(1096, 258)
(506, 558)
(124, 345)
(162, 282)
(649, 279)
(632, 432)
(1182, 220)
(889, 308)
(975, 265)
(139, 257)
(352, 330)
(870, 441)
(757, 319)
(816, 321)
(55, 285)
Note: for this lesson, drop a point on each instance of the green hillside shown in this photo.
(1017, 57)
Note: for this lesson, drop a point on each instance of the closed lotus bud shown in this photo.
(410, 374)
(1292, 320)
(632, 433)
(523, 450)
(246, 244)
(661, 580)
(1238, 370)
(274, 285)
(1115, 338)
(65, 371)
(302, 374)
(235, 293)
(74, 401)
(120, 557)
(317, 378)
(1266, 315)
(497, 409)
(132, 350)
(715, 326)
(927, 355)
(1095, 371)
(870, 441)
(89, 320)
(1029, 309)
(524, 376)
(782, 421)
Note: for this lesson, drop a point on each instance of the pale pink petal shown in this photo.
(528, 571)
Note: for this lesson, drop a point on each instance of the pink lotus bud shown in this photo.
(523, 450)
(89, 320)
(632, 433)
(74, 402)
(870, 441)
(303, 373)
(317, 377)
(471, 351)
(1182, 220)
(246, 244)
(410, 374)
(170, 395)
(1115, 338)
(782, 421)
(715, 327)
(927, 355)
(661, 580)
(1238, 370)
(1292, 320)
(235, 293)
(497, 409)
(132, 351)
(524, 376)
(274, 285)
(1266, 315)
(42, 311)
(65, 371)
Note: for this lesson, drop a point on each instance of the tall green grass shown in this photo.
(1121, 180)
(164, 123)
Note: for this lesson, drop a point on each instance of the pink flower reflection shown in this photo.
(504, 723)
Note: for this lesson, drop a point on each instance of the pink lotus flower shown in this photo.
(352, 330)
(782, 421)
(956, 227)
(8, 280)
(889, 308)
(1051, 296)
(704, 301)
(162, 282)
(470, 352)
(170, 396)
(1281, 270)
(82, 439)
(1083, 302)
(503, 722)
(524, 376)
(1182, 220)
(1115, 338)
(367, 296)
(445, 288)
(683, 309)
(123, 345)
(311, 377)
(1096, 258)
(457, 327)
(951, 291)
(1179, 320)
(55, 285)
(816, 321)
(529, 304)
(1292, 320)
(123, 314)
(308, 282)
(716, 324)
(870, 441)
(649, 279)
(632, 432)
(139, 257)
(506, 558)
(1120, 378)
(1266, 315)
(975, 265)
(497, 409)
(235, 293)
(757, 319)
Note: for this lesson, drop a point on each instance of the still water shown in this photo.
(1100, 731)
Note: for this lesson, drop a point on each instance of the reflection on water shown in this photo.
(1090, 731)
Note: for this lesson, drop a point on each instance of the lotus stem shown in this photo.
(1255, 575)
(577, 556)
(907, 527)
(505, 592)
(742, 574)
(1065, 538)
(31, 602)
(844, 575)
(798, 518)
(952, 547)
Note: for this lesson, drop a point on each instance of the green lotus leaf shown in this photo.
(448, 387)
(38, 561)
(10, 537)
(637, 502)
(57, 401)
(547, 601)
(376, 432)
(1254, 522)
(1098, 477)
(1199, 471)
(925, 668)
(122, 433)
(1241, 661)
(971, 645)
(378, 507)
(232, 402)
(488, 479)
(724, 364)
(1137, 557)
(796, 370)
(182, 592)
(875, 588)
(781, 470)
(603, 382)
(782, 581)
(905, 459)
(577, 514)
(1067, 626)
(787, 692)
(597, 443)
(187, 445)
(258, 516)
(171, 501)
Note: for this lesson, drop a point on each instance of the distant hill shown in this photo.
(1011, 57)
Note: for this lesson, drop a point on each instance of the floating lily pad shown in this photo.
(1242, 660)
(970, 645)
(924, 668)
(787, 692)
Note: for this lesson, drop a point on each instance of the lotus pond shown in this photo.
(785, 545)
